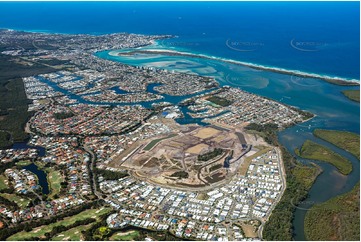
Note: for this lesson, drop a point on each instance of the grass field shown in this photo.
(54, 180)
(73, 234)
(23, 163)
(2, 182)
(197, 148)
(20, 201)
(354, 95)
(314, 151)
(205, 133)
(248, 160)
(342, 139)
(156, 141)
(335, 219)
(125, 236)
(249, 230)
(202, 196)
(40, 231)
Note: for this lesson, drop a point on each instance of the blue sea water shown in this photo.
(316, 37)
(269, 29)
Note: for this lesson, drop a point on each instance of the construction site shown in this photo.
(195, 157)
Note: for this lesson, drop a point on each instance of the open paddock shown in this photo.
(206, 133)
(197, 149)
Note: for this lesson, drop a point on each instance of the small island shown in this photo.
(314, 151)
(345, 140)
(354, 95)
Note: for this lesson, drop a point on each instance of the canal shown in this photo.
(42, 176)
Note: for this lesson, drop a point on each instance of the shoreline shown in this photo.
(304, 121)
(333, 80)
(341, 81)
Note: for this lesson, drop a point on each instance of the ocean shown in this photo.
(325, 34)
(313, 37)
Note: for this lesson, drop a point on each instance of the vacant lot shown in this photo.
(206, 133)
(156, 141)
(248, 160)
(197, 149)
(249, 230)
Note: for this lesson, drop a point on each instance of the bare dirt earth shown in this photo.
(192, 157)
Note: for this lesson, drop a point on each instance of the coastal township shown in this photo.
(161, 151)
